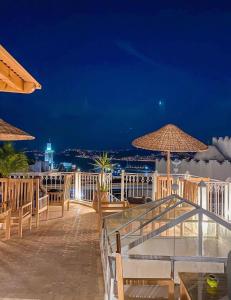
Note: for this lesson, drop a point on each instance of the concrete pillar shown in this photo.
(227, 204)
(203, 195)
(122, 185)
(154, 185)
(77, 186)
(200, 234)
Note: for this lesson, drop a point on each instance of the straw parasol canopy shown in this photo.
(169, 139)
(11, 133)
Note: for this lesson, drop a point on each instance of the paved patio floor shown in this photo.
(59, 261)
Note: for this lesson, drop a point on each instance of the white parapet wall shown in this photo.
(212, 168)
(224, 145)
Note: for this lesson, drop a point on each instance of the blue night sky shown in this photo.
(114, 70)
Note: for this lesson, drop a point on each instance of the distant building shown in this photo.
(39, 166)
(49, 153)
(66, 167)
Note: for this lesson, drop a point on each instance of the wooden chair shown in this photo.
(20, 195)
(41, 203)
(190, 188)
(5, 220)
(141, 288)
(61, 197)
(162, 187)
(5, 211)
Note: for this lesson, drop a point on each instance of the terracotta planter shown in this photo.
(100, 196)
(104, 197)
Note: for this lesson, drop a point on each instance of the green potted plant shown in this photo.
(104, 165)
(12, 161)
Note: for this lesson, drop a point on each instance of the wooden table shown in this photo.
(193, 286)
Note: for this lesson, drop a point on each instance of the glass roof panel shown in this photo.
(178, 240)
(115, 221)
(154, 219)
(170, 227)
(216, 238)
(140, 213)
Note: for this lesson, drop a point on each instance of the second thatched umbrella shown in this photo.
(169, 139)
(10, 133)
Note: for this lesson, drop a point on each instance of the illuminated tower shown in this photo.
(49, 156)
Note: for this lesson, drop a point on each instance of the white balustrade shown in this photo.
(138, 185)
(214, 195)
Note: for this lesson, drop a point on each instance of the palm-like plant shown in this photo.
(104, 164)
(12, 161)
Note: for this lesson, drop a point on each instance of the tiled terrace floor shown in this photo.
(60, 260)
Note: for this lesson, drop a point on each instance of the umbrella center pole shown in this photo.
(168, 173)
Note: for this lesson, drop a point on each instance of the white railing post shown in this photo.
(203, 195)
(187, 175)
(77, 185)
(154, 185)
(228, 200)
(80, 185)
(122, 185)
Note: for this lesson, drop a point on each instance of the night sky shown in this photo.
(113, 70)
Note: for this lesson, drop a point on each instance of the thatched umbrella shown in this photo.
(169, 139)
(11, 133)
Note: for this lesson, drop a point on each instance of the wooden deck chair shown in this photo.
(40, 203)
(20, 195)
(61, 197)
(162, 187)
(190, 191)
(141, 288)
(5, 211)
(190, 188)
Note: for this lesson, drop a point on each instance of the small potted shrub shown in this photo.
(103, 165)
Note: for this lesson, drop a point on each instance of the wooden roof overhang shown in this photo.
(13, 77)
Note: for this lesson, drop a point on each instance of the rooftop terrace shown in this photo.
(61, 257)
(60, 260)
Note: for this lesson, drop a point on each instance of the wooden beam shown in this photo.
(13, 77)
(10, 78)
(10, 82)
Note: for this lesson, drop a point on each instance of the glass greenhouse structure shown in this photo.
(162, 238)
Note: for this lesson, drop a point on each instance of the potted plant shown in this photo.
(103, 165)
(12, 161)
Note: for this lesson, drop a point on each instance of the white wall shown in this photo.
(224, 145)
(212, 169)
